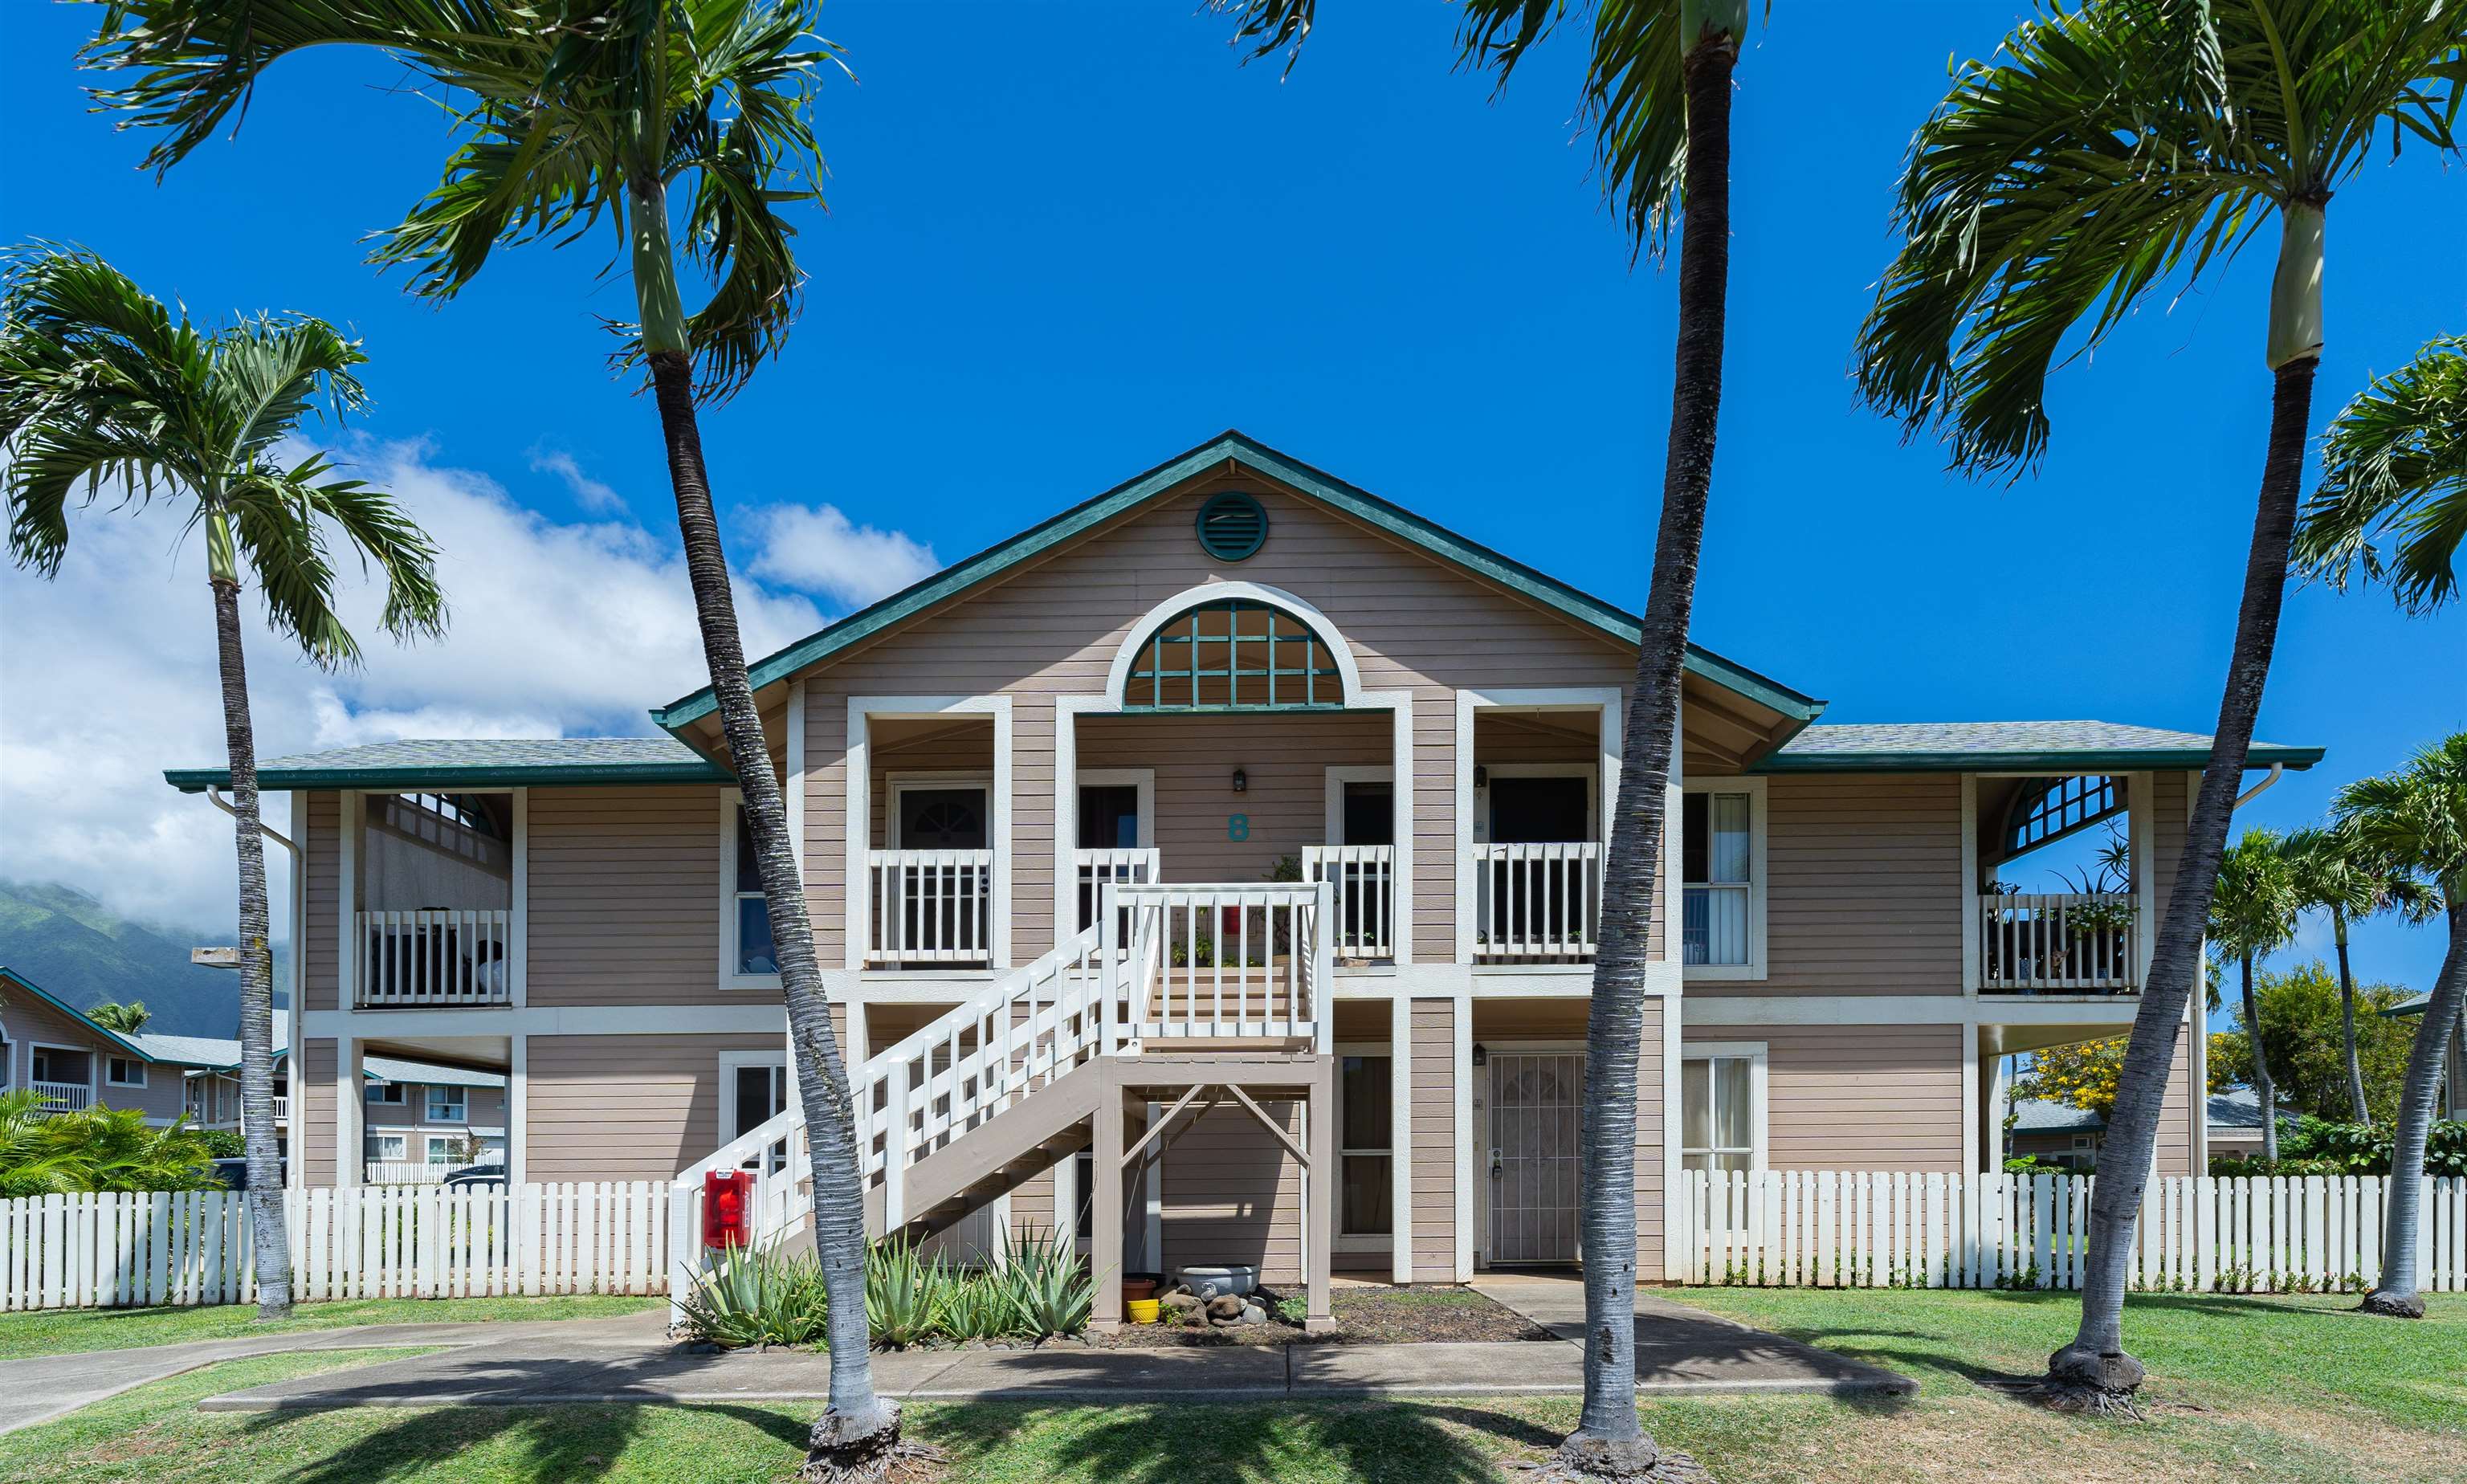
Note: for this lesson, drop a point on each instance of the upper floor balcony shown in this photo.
(433, 921)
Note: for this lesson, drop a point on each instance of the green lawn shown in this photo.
(2246, 1389)
(62, 1330)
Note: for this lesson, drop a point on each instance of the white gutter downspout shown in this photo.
(2255, 792)
(298, 985)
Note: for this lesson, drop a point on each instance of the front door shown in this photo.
(1536, 1101)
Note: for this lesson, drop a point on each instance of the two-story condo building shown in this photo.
(1222, 857)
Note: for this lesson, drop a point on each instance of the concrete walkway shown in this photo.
(41, 1387)
(1680, 1351)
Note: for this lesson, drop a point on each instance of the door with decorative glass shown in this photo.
(1537, 1108)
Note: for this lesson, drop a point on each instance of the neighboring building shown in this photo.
(2061, 1134)
(1346, 777)
(423, 1121)
(48, 1045)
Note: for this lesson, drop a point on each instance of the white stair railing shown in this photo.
(1231, 961)
(1365, 878)
(1113, 866)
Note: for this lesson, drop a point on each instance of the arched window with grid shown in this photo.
(1234, 655)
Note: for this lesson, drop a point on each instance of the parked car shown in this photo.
(492, 1173)
(234, 1172)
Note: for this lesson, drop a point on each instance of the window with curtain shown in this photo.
(445, 1105)
(1717, 1116)
(1364, 1148)
(1713, 866)
(754, 953)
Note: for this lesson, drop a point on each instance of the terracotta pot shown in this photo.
(1137, 1289)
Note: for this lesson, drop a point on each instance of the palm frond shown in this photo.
(2392, 501)
(2414, 820)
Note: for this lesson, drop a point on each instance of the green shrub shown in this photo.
(760, 1298)
(980, 1307)
(1051, 1289)
(95, 1148)
(2033, 1164)
(224, 1143)
(2355, 1149)
(906, 1298)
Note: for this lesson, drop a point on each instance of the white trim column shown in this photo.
(1467, 1139)
(518, 972)
(351, 1106)
(518, 1110)
(1400, 1136)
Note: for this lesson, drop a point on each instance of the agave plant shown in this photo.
(1050, 1287)
(906, 1298)
(980, 1307)
(758, 1297)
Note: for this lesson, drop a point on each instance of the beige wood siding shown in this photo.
(1054, 629)
(624, 897)
(311, 1135)
(625, 1107)
(1856, 1097)
(1649, 1103)
(321, 875)
(1863, 891)
(1434, 1216)
(1233, 1194)
(1284, 758)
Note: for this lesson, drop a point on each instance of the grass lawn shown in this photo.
(2248, 1389)
(62, 1330)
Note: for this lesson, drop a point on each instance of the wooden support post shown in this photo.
(1106, 1222)
(1319, 1183)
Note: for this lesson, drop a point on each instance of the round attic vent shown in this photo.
(1232, 526)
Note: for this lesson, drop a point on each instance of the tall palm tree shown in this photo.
(102, 389)
(2416, 820)
(2103, 151)
(2334, 874)
(1657, 94)
(2395, 463)
(2252, 912)
(672, 121)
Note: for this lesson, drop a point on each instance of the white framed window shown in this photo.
(442, 1147)
(7, 1063)
(389, 1148)
(1722, 879)
(1722, 1120)
(387, 1094)
(1365, 1218)
(447, 1105)
(754, 1089)
(746, 954)
(124, 1071)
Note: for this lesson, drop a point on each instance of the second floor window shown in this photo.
(750, 918)
(1715, 857)
(445, 1105)
(390, 1092)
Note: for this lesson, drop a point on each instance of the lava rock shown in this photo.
(1225, 1307)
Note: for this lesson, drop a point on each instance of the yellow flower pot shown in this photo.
(1143, 1311)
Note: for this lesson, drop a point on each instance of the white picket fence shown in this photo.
(78, 1251)
(1869, 1229)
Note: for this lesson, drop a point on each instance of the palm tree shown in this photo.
(2415, 819)
(126, 1019)
(2103, 151)
(673, 122)
(2395, 461)
(2252, 912)
(2334, 875)
(1657, 93)
(101, 388)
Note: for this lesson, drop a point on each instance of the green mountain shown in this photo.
(79, 950)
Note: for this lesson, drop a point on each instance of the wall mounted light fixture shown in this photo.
(1481, 776)
(1241, 781)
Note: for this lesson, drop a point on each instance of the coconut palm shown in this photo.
(126, 1019)
(1657, 94)
(681, 127)
(2252, 912)
(2415, 819)
(2106, 149)
(2395, 463)
(104, 390)
(2333, 874)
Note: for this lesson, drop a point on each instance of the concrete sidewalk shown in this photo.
(1680, 1351)
(38, 1388)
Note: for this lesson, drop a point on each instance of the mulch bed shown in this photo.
(1364, 1317)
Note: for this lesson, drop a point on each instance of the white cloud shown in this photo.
(108, 674)
(819, 549)
(588, 492)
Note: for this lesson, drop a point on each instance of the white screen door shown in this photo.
(1535, 1119)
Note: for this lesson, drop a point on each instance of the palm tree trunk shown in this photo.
(1608, 1439)
(269, 1244)
(2347, 1021)
(2262, 1089)
(2093, 1371)
(858, 1428)
(2396, 1293)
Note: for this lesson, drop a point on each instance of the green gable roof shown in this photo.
(18, 981)
(2077, 745)
(962, 577)
(475, 763)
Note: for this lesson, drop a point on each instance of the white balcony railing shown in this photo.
(2064, 942)
(1123, 866)
(931, 906)
(440, 958)
(60, 1097)
(1536, 901)
(1365, 878)
(281, 1108)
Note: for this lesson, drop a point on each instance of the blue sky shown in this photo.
(1066, 241)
